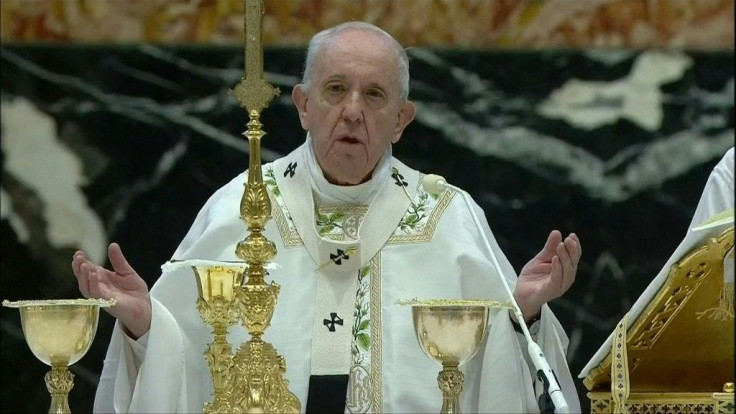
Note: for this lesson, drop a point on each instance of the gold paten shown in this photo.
(252, 380)
(676, 361)
(59, 333)
(449, 332)
(455, 302)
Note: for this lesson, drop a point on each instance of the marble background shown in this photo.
(125, 143)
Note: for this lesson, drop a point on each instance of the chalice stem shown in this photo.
(450, 380)
(59, 381)
(221, 356)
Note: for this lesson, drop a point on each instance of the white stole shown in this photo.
(337, 263)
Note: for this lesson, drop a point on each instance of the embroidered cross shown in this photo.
(346, 255)
(398, 177)
(290, 170)
(334, 320)
(337, 258)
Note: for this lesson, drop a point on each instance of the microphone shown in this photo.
(435, 184)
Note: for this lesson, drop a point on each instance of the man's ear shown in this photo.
(406, 115)
(299, 95)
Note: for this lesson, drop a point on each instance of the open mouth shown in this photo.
(349, 140)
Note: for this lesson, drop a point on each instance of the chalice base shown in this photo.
(59, 405)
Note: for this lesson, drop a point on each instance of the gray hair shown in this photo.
(318, 42)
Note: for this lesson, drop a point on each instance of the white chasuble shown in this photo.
(391, 249)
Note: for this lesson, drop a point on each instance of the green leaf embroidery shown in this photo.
(271, 183)
(364, 341)
(326, 229)
(364, 325)
(423, 198)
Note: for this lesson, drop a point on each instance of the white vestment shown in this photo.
(431, 250)
(718, 196)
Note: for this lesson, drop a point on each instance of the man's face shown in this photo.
(353, 109)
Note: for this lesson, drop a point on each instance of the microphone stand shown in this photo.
(544, 372)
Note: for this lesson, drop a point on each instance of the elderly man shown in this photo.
(341, 191)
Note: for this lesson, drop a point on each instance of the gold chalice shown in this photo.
(450, 332)
(217, 287)
(59, 333)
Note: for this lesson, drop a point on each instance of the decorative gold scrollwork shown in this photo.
(450, 380)
(59, 381)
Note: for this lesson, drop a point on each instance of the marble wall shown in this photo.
(125, 143)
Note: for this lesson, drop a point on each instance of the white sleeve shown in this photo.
(553, 341)
(135, 378)
(547, 333)
(118, 366)
(137, 348)
(718, 191)
(205, 214)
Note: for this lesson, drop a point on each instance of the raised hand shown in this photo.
(549, 274)
(133, 307)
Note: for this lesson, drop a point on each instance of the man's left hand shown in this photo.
(549, 274)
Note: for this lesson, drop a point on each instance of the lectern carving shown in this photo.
(675, 357)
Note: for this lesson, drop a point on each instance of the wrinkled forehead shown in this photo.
(369, 52)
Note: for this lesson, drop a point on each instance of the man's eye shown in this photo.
(335, 88)
(374, 93)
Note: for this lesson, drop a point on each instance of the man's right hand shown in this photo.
(133, 307)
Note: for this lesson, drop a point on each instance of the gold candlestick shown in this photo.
(59, 333)
(252, 380)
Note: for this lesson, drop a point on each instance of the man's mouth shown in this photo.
(349, 140)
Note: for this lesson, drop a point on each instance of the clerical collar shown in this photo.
(326, 192)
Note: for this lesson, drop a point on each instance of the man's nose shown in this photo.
(353, 109)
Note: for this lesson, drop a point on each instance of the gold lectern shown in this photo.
(675, 357)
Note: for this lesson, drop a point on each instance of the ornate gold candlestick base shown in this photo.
(59, 333)
(264, 389)
(450, 333)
